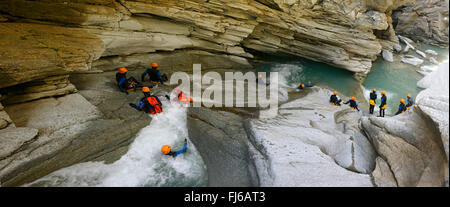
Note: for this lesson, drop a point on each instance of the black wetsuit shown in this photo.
(335, 100)
(401, 108)
(409, 103)
(373, 96)
(176, 153)
(124, 83)
(154, 74)
(382, 105)
(353, 104)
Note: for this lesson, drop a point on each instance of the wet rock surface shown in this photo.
(89, 125)
(221, 139)
(410, 145)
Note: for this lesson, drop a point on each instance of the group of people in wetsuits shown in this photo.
(151, 103)
(334, 99)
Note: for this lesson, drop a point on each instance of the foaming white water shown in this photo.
(143, 164)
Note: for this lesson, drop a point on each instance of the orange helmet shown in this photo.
(374, 90)
(408, 95)
(383, 92)
(335, 92)
(145, 89)
(303, 85)
(165, 149)
(154, 65)
(353, 98)
(123, 70)
(402, 100)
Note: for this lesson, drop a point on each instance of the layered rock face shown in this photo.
(425, 21)
(47, 38)
(51, 133)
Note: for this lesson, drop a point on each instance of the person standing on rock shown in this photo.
(352, 103)
(372, 100)
(334, 99)
(383, 103)
(401, 107)
(149, 103)
(155, 75)
(124, 83)
(409, 101)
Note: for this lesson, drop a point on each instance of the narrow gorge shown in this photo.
(64, 121)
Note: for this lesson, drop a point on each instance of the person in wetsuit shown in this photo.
(302, 86)
(334, 99)
(352, 103)
(167, 150)
(125, 83)
(409, 101)
(149, 103)
(383, 103)
(155, 75)
(401, 107)
(372, 100)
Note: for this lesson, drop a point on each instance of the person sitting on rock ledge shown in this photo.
(383, 103)
(334, 99)
(149, 103)
(409, 101)
(401, 107)
(155, 75)
(167, 150)
(125, 84)
(302, 86)
(352, 103)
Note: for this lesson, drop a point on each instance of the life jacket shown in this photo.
(185, 99)
(384, 106)
(372, 102)
(155, 104)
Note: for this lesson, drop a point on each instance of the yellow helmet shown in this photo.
(408, 95)
(402, 100)
(383, 92)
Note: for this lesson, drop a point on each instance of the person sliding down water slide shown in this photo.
(182, 97)
(155, 75)
(334, 99)
(353, 103)
(149, 103)
(302, 86)
(126, 85)
(167, 150)
(372, 101)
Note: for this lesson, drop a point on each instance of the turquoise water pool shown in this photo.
(396, 78)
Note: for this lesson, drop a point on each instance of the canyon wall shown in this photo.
(47, 38)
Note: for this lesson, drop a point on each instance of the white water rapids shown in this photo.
(143, 164)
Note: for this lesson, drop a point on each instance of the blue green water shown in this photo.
(396, 78)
